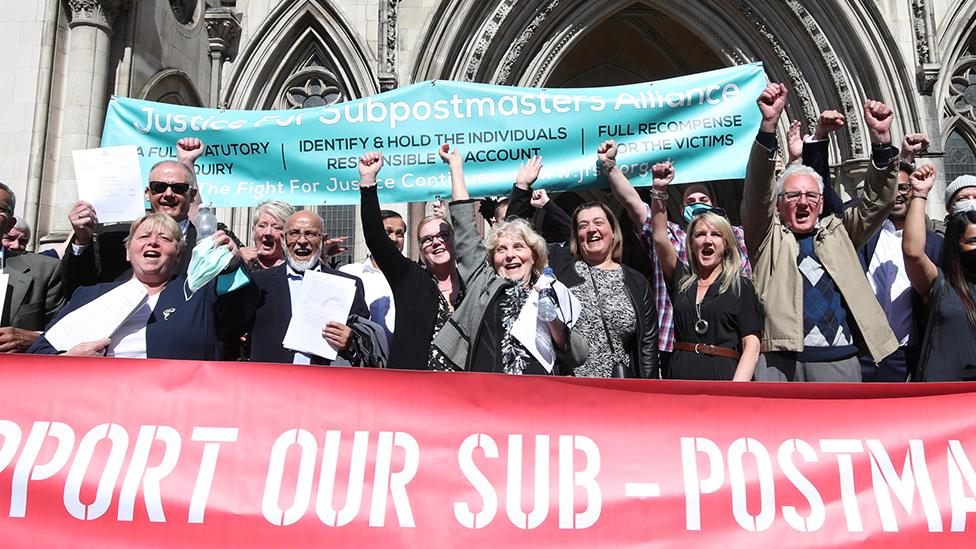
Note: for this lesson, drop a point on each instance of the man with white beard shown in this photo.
(303, 235)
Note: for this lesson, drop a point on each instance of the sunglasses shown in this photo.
(159, 187)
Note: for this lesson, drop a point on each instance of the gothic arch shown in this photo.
(957, 81)
(301, 45)
(171, 86)
(836, 65)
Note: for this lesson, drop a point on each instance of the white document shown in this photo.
(110, 180)
(98, 319)
(325, 298)
(534, 333)
(4, 281)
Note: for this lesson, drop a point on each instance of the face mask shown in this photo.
(206, 263)
(691, 210)
(964, 205)
(968, 261)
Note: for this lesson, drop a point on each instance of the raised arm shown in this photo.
(816, 155)
(921, 271)
(393, 263)
(667, 257)
(758, 199)
(877, 196)
(459, 190)
(468, 251)
(619, 184)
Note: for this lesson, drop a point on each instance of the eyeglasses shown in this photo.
(904, 188)
(427, 241)
(295, 234)
(159, 187)
(793, 197)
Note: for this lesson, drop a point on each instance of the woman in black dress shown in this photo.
(717, 316)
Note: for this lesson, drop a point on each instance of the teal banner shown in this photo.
(705, 123)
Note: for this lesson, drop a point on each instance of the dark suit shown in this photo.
(177, 328)
(273, 313)
(34, 290)
(104, 259)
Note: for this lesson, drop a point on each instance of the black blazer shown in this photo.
(269, 320)
(104, 259)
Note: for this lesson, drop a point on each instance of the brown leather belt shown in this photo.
(706, 349)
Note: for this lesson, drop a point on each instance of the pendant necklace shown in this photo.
(701, 325)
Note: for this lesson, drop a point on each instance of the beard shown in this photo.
(299, 265)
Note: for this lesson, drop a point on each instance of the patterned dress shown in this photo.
(610, 297)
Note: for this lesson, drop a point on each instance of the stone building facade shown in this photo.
(63, 59)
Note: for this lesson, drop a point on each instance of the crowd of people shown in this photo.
(809, 288)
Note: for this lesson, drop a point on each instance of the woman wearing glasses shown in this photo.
(949, 347)
(717, 316)
(430, 291)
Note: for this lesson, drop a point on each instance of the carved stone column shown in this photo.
(388, 45)
(86, 91)
(928, 66)
(224, 29)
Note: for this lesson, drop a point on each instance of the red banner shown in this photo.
(112, 452)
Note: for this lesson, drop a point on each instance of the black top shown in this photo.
(491, 346)
(729, 317)
(414, 289)
(949, 350)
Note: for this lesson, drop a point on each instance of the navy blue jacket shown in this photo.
(193, 328)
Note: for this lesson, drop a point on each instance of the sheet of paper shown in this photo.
(109, 178)
(325, 298)
(534, 333)
(98, 319)
(4, 281)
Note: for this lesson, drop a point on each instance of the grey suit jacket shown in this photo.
(34, 292)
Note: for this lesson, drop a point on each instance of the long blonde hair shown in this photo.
(731, 259)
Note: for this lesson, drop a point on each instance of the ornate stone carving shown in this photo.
(504, 73)
(223, 28)
(312, 87)
(927, 67)
(183, 10)
(798, 83)
(389, 43)
(486, 37)
(96, 13)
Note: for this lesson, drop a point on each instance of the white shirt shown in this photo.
(129, 341)
(886, 273)
(379, 296)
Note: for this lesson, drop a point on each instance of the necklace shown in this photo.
(701, 325)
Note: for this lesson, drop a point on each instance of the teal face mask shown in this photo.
(691, 210)
(206, 263)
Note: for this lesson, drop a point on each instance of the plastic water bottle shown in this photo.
(206, 222)
(547, 296)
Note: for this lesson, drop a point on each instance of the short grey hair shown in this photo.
(22, 226)
(275, 208)
(798, 169)
(191, 177)
(13, 199)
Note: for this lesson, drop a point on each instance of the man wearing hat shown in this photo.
(960, 195)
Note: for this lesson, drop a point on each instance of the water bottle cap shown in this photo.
(547, 270)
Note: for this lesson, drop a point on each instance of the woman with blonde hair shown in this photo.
(717, 315)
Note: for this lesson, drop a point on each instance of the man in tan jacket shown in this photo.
(819, 306)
